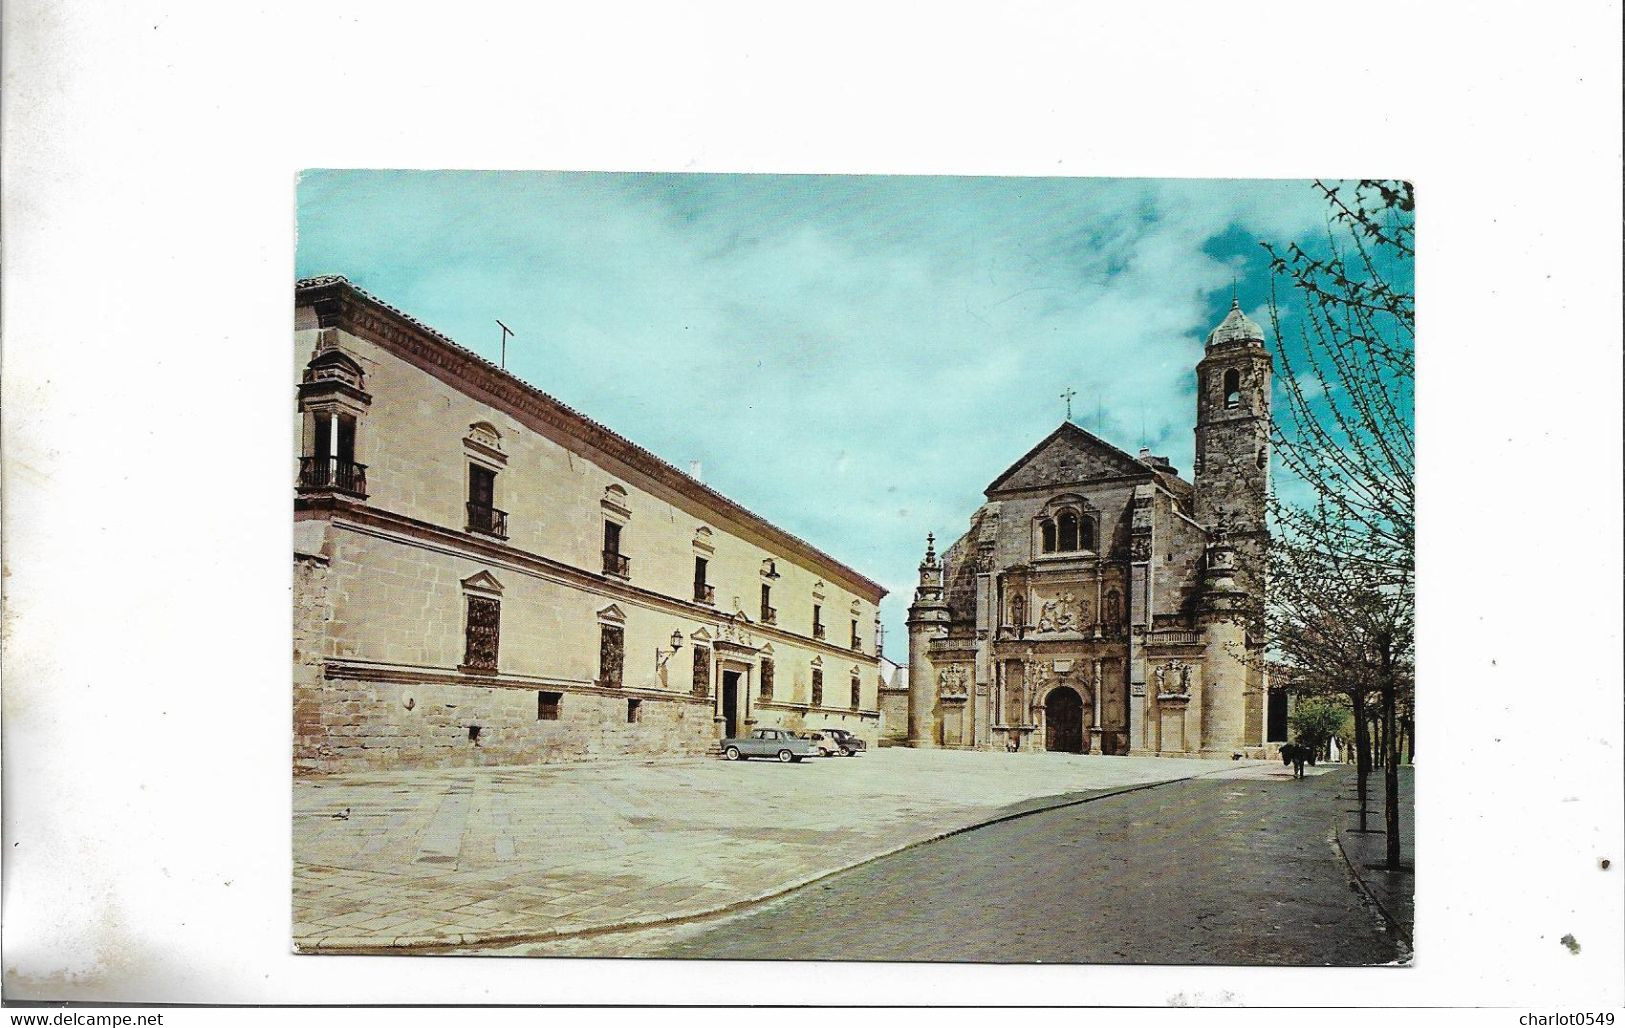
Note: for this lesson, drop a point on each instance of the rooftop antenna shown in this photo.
(1067, 396)
(506, 332)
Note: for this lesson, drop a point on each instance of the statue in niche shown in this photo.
(1018, 613)
(1114, 608)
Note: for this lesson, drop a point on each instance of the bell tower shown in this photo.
(1233, 440)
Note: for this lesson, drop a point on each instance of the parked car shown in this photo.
(850, 744)
(768, 742)
(826, 744)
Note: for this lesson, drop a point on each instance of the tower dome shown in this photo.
(1235, 328)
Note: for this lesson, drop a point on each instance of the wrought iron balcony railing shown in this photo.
(770, 615)
(617, 564)
(819, 632)
(857, 644)
(487, 520)
(324, 473)
(705, 593)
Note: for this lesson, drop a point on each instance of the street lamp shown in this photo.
(661, 656)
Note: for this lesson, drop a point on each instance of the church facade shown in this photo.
(1100, 603)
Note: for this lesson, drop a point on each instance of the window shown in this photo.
(330, 462)
(1049, 536)
(611, 655)
(1263, 458)
(767, 679)
(703, 593)
(817, 687)
(1232, 389)
(634, 711)
(1069, 531)
(481, 633)
(614, 562)
(818, 621)
(345, 449)
(1086, 533)
(483, 515)
(702, 671)
(547, 705)
(857, 691)
(769, 615)
(857, 644)
(474, 734)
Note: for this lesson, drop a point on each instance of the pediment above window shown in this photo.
(615, 500)
(700, 637)
(484, 440)
(483, 582)
(703, 541)
(612, 615)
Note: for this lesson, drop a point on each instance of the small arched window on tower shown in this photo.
(1263, 458)
(1069, 531)
(1232, 389)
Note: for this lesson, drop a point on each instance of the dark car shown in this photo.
(850, 744)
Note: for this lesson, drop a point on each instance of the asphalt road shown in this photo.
(1210, 871)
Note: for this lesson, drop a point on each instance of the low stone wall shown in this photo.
(368, 725)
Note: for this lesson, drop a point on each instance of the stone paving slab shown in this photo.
(494, 856)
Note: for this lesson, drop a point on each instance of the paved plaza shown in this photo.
(494, 857)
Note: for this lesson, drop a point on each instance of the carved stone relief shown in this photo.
(951, 682)
(1173, 679)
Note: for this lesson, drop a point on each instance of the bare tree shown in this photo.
(1343, 558)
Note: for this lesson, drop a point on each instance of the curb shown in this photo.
(1356, 870)
(438, 943)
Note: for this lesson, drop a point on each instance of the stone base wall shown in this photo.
(893, 715)
(371, 725)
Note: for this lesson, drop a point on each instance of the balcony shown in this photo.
(487, 520)
(770, 615)
(705, 593)
(857, 644)
(617, 564)
(819, 632)
(323, 474)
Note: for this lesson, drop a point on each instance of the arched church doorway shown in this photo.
(1063, 720)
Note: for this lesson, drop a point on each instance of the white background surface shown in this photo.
(150, 159)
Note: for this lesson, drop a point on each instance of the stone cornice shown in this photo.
(385, 524)
(338, 303)
(807, 708)
(399, 674)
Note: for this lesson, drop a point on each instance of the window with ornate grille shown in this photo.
(547, 705)
(857, 691)
(481, 633)
(818, 687)
(611, 655)
(702, 671)
(767, 679)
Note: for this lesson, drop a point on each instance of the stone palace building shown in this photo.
(483, 575)
(1100, 603)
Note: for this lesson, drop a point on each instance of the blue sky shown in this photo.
(854, 358)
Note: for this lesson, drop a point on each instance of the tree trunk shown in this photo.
(1390, 763)
(1362, 751)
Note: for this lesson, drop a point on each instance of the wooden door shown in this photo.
(1063, 721)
